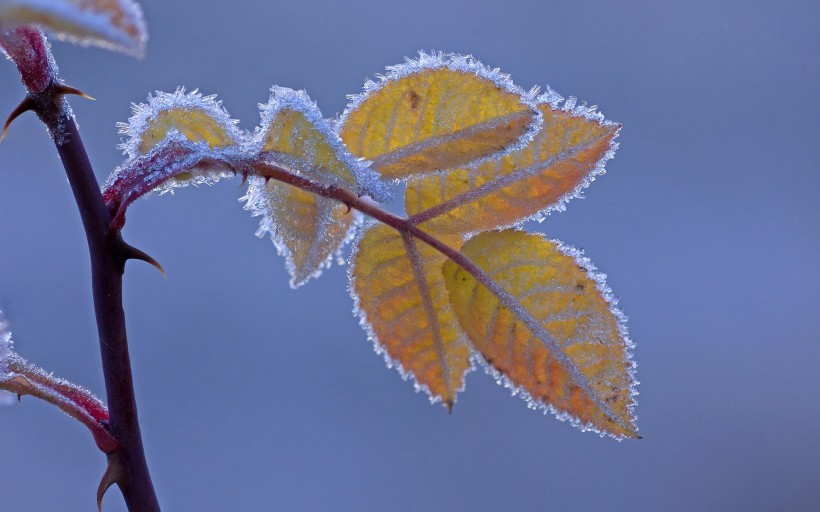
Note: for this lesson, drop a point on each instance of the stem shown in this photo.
(108, 255)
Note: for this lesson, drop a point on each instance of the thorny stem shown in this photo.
(108, 255)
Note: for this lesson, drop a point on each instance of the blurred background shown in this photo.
(256, 397)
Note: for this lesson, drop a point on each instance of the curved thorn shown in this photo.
(115, 473)
(132, 253)
(66, 89)
(24, 106)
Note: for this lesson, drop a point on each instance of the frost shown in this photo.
(113, 24)
(367, 182)
(455, 62)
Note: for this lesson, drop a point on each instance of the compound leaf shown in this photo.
(402, 300)
(562, 159)
(113, 24)
(438, 112)
(546, 323)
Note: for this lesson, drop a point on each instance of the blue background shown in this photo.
(255, 397)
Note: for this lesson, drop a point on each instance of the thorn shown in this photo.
(132, 253)
(65, 89)
(349, 208)
(450, 404)
(24, 106)
(115, 473)
(244, 179)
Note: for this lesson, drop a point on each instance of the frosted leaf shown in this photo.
(562, 159)
(174, 140)
(112, 24)
(293, 134)
(198, 117)
(401, 300)
(19, 377)
(175, 162)
(436, 112)
(543, 318)
(307, 229)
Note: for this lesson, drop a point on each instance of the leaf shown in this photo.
(174, 140)
(199, 118)
(112, 24)
(547, 324)
(438, 112)
(561, 160)
(19, 377)
(402, 302)
(306, 229)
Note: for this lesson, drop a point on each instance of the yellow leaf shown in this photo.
(401, 298)
(112, 24)
(562, 159)
(437, 112)
(306, 228)
(542, 321)
(199, 118)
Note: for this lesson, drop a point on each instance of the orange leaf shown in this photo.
(546, 323)
(562, 159)
(437, 112)
(402, 301)
(112, 24)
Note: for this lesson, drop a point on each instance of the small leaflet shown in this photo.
(19, 377)
(401, 300)
(112, 24)
(439, 111)
(307, 229)
(198, 117)
(546, 324)
(561, 160)
(174, 140)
